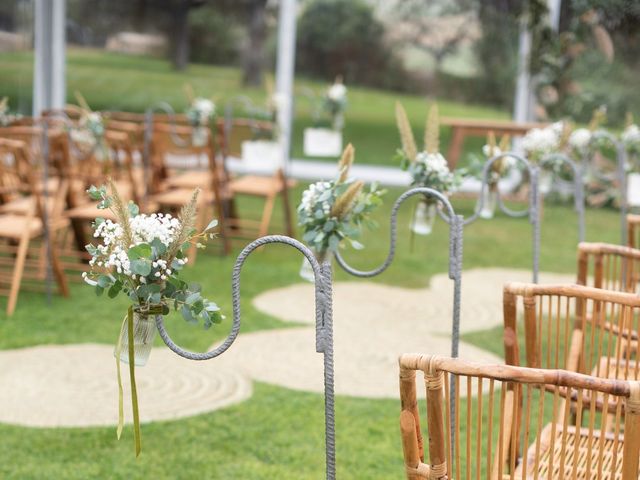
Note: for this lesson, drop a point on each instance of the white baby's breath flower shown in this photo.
(631, 135)
(580, 139)
(491, 152)
(337, 92)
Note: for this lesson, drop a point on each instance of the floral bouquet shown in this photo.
(6, 118)
(199, 113)
(141, 256)
(334, 103)
(88, 135)
(631, 139)
(499, 169)
(427, 168)
(333, 212)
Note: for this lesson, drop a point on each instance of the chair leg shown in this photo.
(287, 211)
(58, 272)
(18, 270)
(266, 215)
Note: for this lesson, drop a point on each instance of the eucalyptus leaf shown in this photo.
(141, 267)
(212, 224)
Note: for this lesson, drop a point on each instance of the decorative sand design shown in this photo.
(75, 385)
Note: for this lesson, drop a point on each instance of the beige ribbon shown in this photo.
(128, 321)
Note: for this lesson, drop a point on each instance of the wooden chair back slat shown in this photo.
(633, 231)
(511, 422)
(608, 266)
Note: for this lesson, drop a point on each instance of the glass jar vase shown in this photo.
(144, 332)
(424, 217)
(199, 136)
(489, 199)
(306, 270)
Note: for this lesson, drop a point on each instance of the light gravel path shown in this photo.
(75, 385)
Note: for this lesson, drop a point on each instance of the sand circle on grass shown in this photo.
(76, 386)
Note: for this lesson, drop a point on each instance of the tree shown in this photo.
(252, 13)
(438, 29)
(343, 37)
(176, 16)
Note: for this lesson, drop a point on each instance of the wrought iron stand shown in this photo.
(324, 331)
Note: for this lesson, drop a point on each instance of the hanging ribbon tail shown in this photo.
(134, 390)
(120, 392)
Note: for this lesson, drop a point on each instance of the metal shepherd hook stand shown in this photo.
(455, 253)
(56, 118)
(455, 264)
(324, 330)
(533, 208)
(577, 175)
(621, 165)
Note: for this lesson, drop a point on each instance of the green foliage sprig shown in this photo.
(142, 256)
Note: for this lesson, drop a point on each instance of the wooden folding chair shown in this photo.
(118, 166)
(19, 258)
(175, 139)
(267, 187)
(633, 231)
(609, 266)
(505, 427)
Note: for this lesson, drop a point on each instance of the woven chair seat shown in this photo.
(180, 196)
(13, 226)
(257, 185)
(558, 453)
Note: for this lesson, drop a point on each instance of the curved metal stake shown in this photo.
(533, 211)
(456, 226)
(455, 250)
(577, 173)
(324, 331)
(621, 165)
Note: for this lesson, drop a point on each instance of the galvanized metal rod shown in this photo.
(456, 227)
(324, 330)
(621, 164)
(46, 230)
(577, 182)
(532, 211)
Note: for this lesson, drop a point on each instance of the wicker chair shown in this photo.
(581, 329)
(507, 431)
(633, 231)
(609, 266)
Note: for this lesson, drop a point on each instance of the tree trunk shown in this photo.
(180, 35)
(254, 52)
(140, 15)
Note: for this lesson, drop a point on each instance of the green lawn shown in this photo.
(278, 433)
(118, 82)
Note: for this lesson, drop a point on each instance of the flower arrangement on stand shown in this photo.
(332, 213)
(427, 168)
(6, 117)
(582, 146)
(199, 113)
(88, 134)
(334, 103)
(630, 137)
(499, 169)
(141, 256)
(264, 146)
(325, 139)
